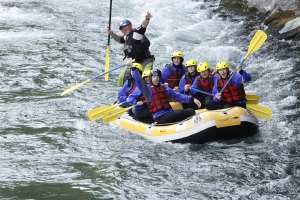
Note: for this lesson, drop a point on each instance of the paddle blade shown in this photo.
(107, 62)
(114, 114)
(252, 98)
(74, 87)
(258, 39)
(260, 111)
(97, 113)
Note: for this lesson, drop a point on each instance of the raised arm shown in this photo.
(146, 20)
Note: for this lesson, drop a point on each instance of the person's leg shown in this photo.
(124, 75)
(147, 64)
(167, 118)
(185, 105)
(191, 105)
(212, 105)
(143, 113)
(176, 116)
(186, 113)
(144, 116)
(229, 105)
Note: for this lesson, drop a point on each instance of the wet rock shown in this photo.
(281, 17)
(276, 22)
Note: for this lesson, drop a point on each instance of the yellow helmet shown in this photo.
(177, 54)
(138, 65)
(222, 65)
(190, 63)
(146, 73)
(203, 66)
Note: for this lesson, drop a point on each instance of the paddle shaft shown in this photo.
(107, 57)
(201, 91)
(256, 42)
(109, 22)
(89, 80)
(113, 69)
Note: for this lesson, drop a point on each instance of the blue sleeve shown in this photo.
(215, 91)
(216, 76)
(165, 74)
(246, 76)
(181, 85)
(122, 94)
(132, 98)
(237, 79)
(184, 69)
(182, 98)
(195, 85)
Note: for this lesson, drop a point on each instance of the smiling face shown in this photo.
(147, 79)
(155, 80)
(204, 74)
(126, 30)
(191, 69)
(176, 60)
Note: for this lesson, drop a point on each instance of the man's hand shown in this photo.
(175, 89)
(197, 102)
(140, 103)
(148, 15)
(128, 63)
(109, 31)
(218, 96)
(239, 69)
(187, 87)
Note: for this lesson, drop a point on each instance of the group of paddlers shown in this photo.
(194, 85)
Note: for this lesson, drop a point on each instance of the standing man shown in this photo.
(136, 46)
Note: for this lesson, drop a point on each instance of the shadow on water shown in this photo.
(36, 190)
(255, 139)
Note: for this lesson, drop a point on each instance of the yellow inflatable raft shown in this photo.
(205, 126)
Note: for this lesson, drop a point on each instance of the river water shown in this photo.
(49, 148)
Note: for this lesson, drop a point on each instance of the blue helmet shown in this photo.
(125, 22)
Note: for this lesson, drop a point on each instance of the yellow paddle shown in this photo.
(89, 80)
(108, 41)
(114, 114)
(97, 113)
(252, 98)
(258, 39)
(260, 111)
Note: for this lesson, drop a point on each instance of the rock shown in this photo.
(277, 21)
(281, 17)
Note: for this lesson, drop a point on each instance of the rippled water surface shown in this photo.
(49, 148)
